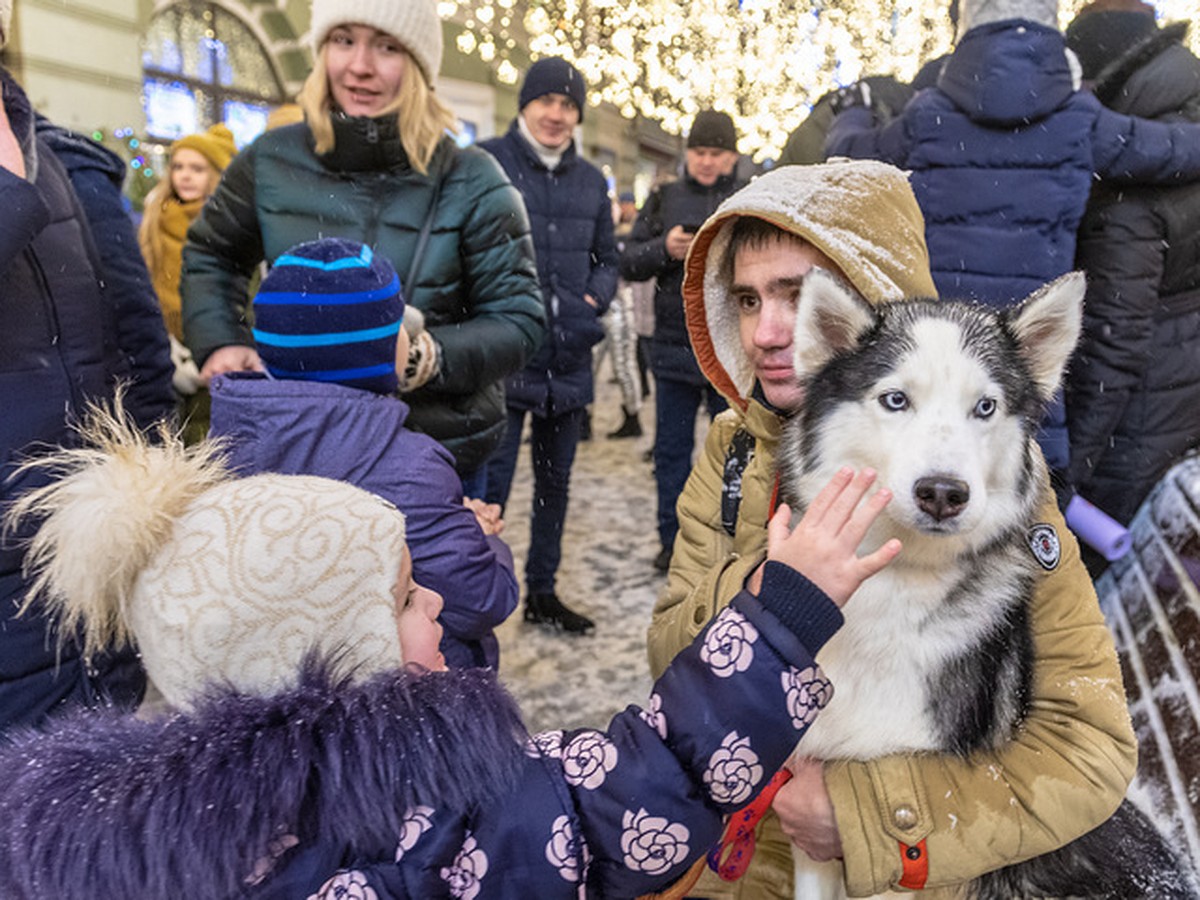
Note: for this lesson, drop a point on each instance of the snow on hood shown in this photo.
(860, 213)
(1009, 73)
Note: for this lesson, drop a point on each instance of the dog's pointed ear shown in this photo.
(830, 319)
(1046, 325)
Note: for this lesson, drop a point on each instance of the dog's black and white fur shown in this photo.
(943, 399)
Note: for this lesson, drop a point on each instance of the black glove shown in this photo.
(857, 94)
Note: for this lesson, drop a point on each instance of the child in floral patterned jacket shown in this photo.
(314, 746)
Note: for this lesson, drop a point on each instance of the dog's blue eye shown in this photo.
(894, 401)
(985, 407)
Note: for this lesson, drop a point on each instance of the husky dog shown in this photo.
(943, 399)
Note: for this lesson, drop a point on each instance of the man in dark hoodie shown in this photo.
(1003, 154)
(1133, 390)
(662, 234)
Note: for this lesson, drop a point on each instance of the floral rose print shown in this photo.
(654, 717)
(349, 885)
(733, 771)
(547, 743)
(587, 759)
(416, 822)
(652, 844)
(728, 646)
(807, 690)
(464, 875)
(566, 852)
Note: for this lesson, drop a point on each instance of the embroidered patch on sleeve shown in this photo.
(1046, 547)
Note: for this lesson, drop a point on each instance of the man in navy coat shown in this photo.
(570, 212)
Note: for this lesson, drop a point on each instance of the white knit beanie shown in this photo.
(415, 23)
(214, 579)
(259, 572)
(973, 13)
(6, 7)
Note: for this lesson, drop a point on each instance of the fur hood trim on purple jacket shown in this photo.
(123, 807)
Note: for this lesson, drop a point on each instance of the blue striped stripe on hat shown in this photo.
(330, 310)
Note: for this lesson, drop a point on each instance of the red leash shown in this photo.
(731, 857)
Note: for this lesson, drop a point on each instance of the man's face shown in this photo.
(766, 287)
(707, 164)
(551, 119)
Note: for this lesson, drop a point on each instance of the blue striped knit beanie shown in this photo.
(330, 310)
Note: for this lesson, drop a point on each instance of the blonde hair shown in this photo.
(422, 118)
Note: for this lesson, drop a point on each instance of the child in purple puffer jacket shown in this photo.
(328, 328)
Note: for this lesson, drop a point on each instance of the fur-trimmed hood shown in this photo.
(860, 213)
(101, 805)
(1155, 77)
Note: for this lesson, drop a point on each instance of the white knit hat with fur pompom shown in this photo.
(415, 23)
(215, 579)
(973, 13)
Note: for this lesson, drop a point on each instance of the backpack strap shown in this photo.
(737, 457)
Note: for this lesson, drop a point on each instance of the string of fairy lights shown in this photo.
(765, 62)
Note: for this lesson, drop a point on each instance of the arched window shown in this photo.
(202, 65)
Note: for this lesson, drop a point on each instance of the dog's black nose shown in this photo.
(941, 497)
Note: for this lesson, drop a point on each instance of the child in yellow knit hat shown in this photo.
(196, 164)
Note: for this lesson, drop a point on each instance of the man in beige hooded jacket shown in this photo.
(1068, 767)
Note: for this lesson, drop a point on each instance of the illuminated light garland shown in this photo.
(765, 62)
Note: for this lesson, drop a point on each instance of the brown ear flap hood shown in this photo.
(861, 214)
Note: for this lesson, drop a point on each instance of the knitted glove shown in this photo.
(857, 94)
(424, 361)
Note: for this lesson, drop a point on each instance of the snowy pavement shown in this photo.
(607, 573)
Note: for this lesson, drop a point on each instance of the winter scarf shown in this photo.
(166, 258)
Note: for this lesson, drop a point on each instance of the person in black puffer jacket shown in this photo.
(1133, 389)
(664, 229)
(353, 170)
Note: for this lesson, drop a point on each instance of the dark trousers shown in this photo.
(553, 452)
(675, 407)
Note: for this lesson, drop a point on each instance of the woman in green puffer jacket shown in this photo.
(373, 162)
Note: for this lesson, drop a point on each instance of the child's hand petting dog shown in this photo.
(824, 546)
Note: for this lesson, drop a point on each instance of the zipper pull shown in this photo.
(372, 131)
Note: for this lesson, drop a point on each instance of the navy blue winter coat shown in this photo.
(338, 432)
(1002, 154)
(683, 202)
(408, 788)
(98, 175)
(570, 217)
(60, 348)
